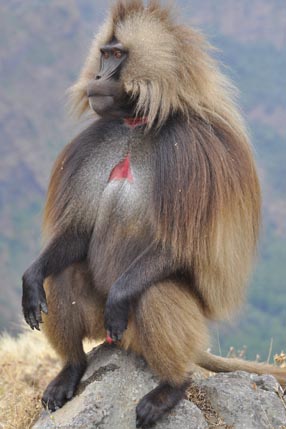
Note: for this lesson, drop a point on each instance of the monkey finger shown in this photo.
(35, 325)
(30, 321)
(27, 320)
(44, 307)
(39, 316)
(43, 301)
(33, 322)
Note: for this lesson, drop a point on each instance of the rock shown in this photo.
(246, 401)
(115, 381)
(112, 386)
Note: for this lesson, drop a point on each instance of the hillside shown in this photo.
(42, 47)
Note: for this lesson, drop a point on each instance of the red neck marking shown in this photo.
(122, 171)
(135, 122)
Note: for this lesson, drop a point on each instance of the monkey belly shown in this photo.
(121, 232)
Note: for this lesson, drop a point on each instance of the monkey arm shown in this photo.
(62, 251)
(152, 266)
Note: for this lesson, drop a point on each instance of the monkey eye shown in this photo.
(105, 54)
(117, 54)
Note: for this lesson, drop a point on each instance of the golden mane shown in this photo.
(169, 68)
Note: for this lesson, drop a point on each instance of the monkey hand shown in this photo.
(115, 317)
(33, 299)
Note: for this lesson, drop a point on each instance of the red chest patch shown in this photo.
(135, 122)
(122, 171)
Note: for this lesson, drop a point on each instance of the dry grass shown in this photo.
(280, 360)
(27, 364)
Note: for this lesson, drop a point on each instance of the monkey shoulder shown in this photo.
(90, 146)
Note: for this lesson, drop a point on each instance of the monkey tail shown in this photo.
(219, 364)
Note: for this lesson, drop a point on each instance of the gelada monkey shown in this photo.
(152, 213)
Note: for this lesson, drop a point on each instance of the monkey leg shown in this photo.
(74, 312)
(169, 330)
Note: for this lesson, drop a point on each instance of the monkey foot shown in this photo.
(63, 387)
(157, 402)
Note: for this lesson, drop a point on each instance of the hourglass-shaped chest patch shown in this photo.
(122, 171)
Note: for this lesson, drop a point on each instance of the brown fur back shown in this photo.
(207, 208)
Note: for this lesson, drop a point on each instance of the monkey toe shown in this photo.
(56, 395)
(53, 399)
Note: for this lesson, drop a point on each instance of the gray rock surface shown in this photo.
(247, 401)
(115, 381)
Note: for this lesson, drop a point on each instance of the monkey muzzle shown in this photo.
(101, 104)
(103, 95)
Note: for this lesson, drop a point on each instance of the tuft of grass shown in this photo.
(280, 359)
(27, 364)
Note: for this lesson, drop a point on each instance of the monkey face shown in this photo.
(105, 92)
(133, 69)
